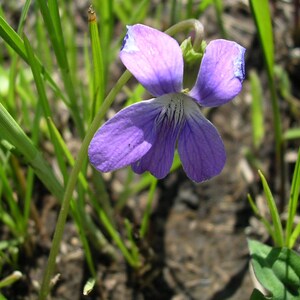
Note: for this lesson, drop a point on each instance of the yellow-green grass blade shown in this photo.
(278, 231)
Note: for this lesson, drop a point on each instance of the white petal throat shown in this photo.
(176, 107)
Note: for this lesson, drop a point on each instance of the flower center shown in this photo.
(172, 113)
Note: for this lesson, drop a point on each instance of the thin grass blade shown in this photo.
(98, 66)
(16, 43)
(266, 223)
(146, 216)
(46, 106)
(293, 201)
(262, 17)
(278, 231)
(60, 51)
(257, 115)
(14, 134)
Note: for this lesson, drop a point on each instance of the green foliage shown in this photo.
(190, 55)
(98, 65)
(277, 269)
(262, 18)
(257, 295)
(280, 236)
(257, 114)
(277, 226)
(293, 205)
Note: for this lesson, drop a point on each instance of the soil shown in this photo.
(197, 243)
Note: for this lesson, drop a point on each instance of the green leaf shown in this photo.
(257, 295)
(277, 269)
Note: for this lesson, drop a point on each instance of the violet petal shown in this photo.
(125, 138)
(154, 58)
(200, 148)
(221, 73)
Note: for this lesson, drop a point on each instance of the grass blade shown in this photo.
(45, 105)
(262, 17)
(278, 231)
(16, 43)
(14, 59)
(266, 223)
(293, 202)
(257, 114)
(66, 152)
(98, 67)
(294, 236)
(60, 51)
(14, 134)
(146, 216)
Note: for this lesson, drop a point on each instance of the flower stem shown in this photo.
(186, 24)
(72, 182)
(146, 217)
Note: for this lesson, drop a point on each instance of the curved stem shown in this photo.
(186, 24)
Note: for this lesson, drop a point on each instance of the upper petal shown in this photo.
(221, 73)
(125, 138)
(200, 147)
(158, 160)
(154, 58)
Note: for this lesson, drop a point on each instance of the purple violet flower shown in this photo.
(145, 134)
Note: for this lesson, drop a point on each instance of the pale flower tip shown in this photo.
(129, 44)
(239, 63)
(221, 74)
